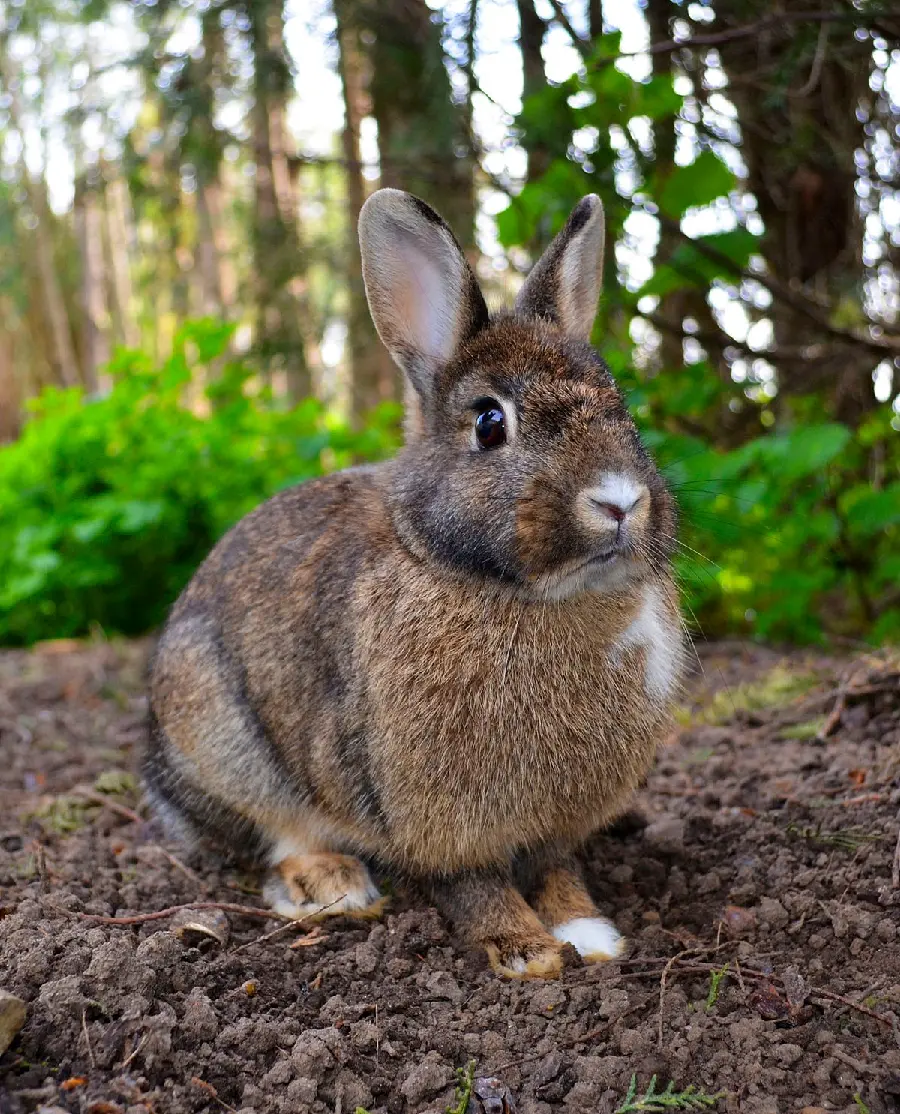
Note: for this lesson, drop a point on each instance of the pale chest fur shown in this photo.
(503, 725)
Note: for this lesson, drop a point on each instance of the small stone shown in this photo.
(63, 997)
(200, 1019)
(303, 1090)
(310, 1056)
(666, 835)
(548, 1069)
(547, 998)
(738, 920)
(426, 1079)
(12, 1018)
(773, 913)
(364, 1035)
(367, 958)
(443, 985)
(355, 1092)
(787, 1054)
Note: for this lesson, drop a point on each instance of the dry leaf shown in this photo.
(310, 939)
(189, 924)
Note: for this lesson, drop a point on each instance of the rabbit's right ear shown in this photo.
(423, 297)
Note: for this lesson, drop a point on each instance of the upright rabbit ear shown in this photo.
(565, 283)
(423, 297)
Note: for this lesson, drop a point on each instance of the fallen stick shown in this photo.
(161, 914)
(114, 806)
(895, 870)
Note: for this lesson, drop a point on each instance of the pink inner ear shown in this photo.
(427, 300)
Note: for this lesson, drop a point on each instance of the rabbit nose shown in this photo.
(611, 510)
(615, 497)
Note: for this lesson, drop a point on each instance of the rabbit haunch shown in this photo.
(458, 663)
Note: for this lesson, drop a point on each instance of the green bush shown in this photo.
(108, 505)
(788, 537)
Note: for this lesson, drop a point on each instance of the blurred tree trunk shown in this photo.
(10, 387)
(118, 239)
(531, 41)
(279, 265)
(422, 138)
(373, 377)
(216, 289)
(64, 360)
(595, 18)
(797, 98)
(89, 228)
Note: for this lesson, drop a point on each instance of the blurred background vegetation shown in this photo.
(183, 326)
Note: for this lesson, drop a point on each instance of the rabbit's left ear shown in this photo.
(564, 285)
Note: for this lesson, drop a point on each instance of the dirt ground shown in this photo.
(763, 971)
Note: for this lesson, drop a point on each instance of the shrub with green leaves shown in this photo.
(108, 505)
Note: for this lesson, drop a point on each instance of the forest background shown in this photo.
(183, 327)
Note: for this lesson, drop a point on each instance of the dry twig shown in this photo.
(114, 806)
(211, 1091)
(87, 1039)
(293, 924)
(161, 914)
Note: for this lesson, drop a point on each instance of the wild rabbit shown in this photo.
(457, 664)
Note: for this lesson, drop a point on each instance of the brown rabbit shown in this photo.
(457, 664)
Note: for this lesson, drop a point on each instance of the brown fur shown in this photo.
(397, 662)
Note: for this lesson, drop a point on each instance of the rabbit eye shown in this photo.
(490, 427)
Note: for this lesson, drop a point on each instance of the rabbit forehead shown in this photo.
(528, 352)
(554, 382)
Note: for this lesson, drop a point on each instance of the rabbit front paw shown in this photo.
(320, 885)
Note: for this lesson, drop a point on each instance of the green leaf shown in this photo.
(868, 511)
(657, 98)
(699, 183)
(806, 450)
(690, 266)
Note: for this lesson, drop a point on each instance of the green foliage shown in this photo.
(698, 183)
(785, 537)
(715, 985)
(669, 1099)
(108, 505)
(465, 1080)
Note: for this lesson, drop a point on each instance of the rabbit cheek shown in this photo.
(543, 540)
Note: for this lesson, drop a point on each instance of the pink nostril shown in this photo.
(612, 510)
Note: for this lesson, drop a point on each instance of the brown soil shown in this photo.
(766, 854)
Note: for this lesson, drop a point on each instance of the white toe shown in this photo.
(591, 936)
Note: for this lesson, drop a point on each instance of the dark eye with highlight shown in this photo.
(490, 425)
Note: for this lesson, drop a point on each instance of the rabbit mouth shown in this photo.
(598, 560)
